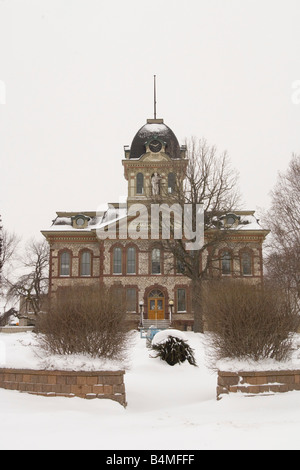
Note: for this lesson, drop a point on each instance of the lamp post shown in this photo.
(171, 305)
(141, 304)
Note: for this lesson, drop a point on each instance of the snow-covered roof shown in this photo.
(249, 222)
(245, 220)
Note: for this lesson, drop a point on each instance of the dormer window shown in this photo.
(80, 221)
(230, 219)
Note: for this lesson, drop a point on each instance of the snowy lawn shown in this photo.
(169, 408)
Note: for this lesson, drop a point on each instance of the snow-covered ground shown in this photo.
(169, 408)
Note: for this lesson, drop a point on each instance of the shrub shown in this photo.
(249, 321)
(84, 320)
(173, 350)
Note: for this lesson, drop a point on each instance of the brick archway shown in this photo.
(165, 300)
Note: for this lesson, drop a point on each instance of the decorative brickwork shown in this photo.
(89, 385)
(251, 383)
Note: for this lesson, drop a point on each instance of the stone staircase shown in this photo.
(159, 324)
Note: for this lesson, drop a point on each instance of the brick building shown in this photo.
(90, 248)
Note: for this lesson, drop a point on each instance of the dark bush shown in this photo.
(85, 320)
(174, 351)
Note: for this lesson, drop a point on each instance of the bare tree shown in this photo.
(10, 243)
(8, 254)
(210, 182)
(283, 219)
(33, 284)
(1, 247)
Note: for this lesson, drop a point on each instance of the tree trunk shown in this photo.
(197, 305)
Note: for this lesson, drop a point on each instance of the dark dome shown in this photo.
(155, 128)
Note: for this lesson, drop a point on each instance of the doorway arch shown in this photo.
(156, 300)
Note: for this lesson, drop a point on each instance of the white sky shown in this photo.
(78, 78)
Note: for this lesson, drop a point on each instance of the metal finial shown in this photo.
(154, 96)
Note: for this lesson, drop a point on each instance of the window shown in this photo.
(117, 260)
(131, 260)
(230, 220)
(181, 300)
(117, 292)
(171, 183)
(156, 261)
(246, 264)
(226, 263)
(156, 293)
(131, 297)
(140, 183)
(29, 306)
(180, 268)
(85, 264)
(65, 264)
(80, 221)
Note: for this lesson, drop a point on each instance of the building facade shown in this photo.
(113, 246)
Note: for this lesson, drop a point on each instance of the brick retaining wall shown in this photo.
(250, 383)
(99, 384)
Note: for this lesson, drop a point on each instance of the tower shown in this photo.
(155, 162)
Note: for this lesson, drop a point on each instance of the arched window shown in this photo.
(140, 183)
(117, 293)
(246, 263)
(156, 261)
(117, 260)
(131, 260)
(85, 263)
(171, 183)
(181, 300)
(156, 293)
(65, 264)
(226, 263)
(131, 299)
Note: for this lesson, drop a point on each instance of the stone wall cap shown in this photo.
(61, 372)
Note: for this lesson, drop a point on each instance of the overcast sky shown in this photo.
(76, 84)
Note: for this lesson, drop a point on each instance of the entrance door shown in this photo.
(156, 305)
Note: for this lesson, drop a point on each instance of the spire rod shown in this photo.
(154, 96)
